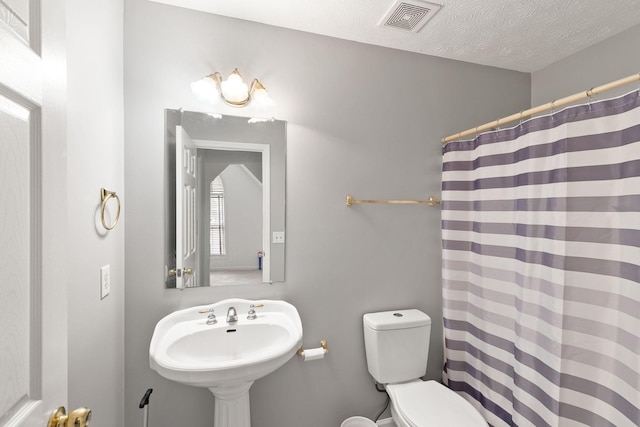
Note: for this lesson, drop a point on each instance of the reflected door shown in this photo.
(186, 210)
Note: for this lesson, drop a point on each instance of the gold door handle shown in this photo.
(77, 418)
(175, 271)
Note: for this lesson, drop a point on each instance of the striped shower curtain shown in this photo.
(541, 268)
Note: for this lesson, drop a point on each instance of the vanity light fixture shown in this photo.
(233, 91)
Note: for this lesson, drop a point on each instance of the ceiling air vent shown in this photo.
(409, 15)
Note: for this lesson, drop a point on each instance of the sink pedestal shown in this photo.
(232, 408)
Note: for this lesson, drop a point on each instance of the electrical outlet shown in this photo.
(105, 281)
(278, 237)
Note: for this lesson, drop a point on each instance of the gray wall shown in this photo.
(362, 120)
(602, 63)
(95, 159)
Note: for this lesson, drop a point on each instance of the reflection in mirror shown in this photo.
(234, 207)
(224, 198)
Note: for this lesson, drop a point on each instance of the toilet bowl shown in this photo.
(397, 348)
(430, 403)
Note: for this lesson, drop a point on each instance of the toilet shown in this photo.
(397, 348)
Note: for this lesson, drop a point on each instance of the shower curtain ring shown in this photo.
(521, 111)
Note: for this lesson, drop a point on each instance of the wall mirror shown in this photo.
(224, 200)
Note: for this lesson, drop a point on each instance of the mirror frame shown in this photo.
(215, 131)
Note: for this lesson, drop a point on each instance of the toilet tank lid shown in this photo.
(396, 319)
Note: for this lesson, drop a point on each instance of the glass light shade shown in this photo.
(205, 89)
(234, 89)
(261, 100)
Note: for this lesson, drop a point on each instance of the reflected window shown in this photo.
(216, 218)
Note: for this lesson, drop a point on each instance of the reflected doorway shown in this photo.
(234, 237)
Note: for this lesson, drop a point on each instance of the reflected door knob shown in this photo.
(179, 273)
(77, 418)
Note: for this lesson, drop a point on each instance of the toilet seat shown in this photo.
(431, 404)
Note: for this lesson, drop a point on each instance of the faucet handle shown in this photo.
(251, 315)
(211, 318)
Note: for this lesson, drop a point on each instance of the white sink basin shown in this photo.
(187, 350)
(226, 357)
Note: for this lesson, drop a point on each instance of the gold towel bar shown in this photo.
(431, 201)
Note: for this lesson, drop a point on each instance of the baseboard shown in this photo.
(386, 422)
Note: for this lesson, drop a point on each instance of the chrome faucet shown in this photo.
(232, 316)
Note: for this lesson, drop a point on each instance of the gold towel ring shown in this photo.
(105, 195)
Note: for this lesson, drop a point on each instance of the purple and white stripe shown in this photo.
(541, 268)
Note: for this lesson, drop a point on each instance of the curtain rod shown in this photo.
(543, 108)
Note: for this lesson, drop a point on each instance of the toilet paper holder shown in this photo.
(323, 345)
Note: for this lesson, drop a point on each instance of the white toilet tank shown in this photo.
(397, 344)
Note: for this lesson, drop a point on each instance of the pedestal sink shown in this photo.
(226, 357)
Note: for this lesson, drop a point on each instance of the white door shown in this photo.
(186, 223)
(33, 306)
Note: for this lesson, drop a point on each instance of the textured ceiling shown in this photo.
(522, 35)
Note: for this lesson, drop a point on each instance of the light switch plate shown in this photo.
(278, 237)
(105, 281)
